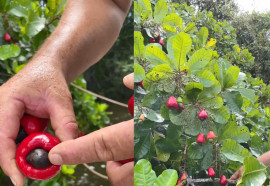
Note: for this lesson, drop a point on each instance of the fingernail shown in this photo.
(56, 159)
(14, 183)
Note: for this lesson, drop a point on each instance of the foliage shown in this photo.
(201, 71)
(29, 24)
(253, 34)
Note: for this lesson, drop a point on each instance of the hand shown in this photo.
(238, 174)
(39, 89)
(111, 144)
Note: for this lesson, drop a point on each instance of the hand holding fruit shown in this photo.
(39, 89)
(113, 144)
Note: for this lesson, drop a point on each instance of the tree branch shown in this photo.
(208, 180)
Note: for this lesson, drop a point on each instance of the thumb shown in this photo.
(63, 118)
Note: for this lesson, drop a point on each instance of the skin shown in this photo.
(86, 31)
(265, 159)
(107, 144)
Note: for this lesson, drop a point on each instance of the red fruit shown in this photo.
(200, 138)
(183, 177)
(141, 83)
(172, 103)
(183, 106)
(223, 180)
(179, 182)
(152, 40)
(268, 102)
(210, 135)
(32, 156)
(31, 124)
(161, 42)
(81, 134)
(211, 172)
(202, 115)
(126, 161)
(7, 37)
(131, 105)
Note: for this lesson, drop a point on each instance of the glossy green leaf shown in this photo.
(234, 152)
(138, 44)
(199, 60)
(139, 73)
(156, 55)
(161, 11)
(9, 51)
(232, 131)
(167, 178)
(178, 46)
(143, 173)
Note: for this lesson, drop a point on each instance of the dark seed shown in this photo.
(21, 135)
(38, 158)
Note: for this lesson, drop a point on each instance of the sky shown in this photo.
(250, 5)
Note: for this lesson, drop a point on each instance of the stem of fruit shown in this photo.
(216, 155)
(184, 158)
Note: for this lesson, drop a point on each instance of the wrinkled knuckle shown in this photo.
(102, 150)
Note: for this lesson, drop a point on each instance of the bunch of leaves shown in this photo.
(189, 67)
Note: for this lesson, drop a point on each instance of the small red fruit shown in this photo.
(210, 135)
(81, 134)
(126, 161)
(179, 182)
(183, 177)
(131, 105)
(141, 83)
(211, 172)
(142, 117)
(32, 124)
(200, 138)
(161, 42)
(202, 115)
(172, 103)
(268, 102)
(32, 156)
(152, 40)
(223, 180)
(7, 37)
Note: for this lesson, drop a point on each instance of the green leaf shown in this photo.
(195, 151)
(152, 115)
(18, 10)
(173, 20)
(247, 93)
(147, 7)
(162, 156)
(202, 36)
(193, 89)
(212, 103)
(34, 24)
(138, 44)
(232, 131)
(68, 169)
(149, 99)
(139, 73)
(184, 118)
(164, 111)
(221, 115)
(161, 11)
(231, 76)
(18, 68)
(142, 147)
(234, 152)
(156, 55)
(167, 145)
(9, 51)
(208, 158)
(199, 60)
(167, 178)
(234, 101)
(137, 12)
(190, 27)
(253, 174)
(207, 78)
(143, 173)
(178, 46)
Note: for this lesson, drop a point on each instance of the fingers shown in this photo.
(237, 174)
(129, 81)
(110, 143)
(120, 175)
(9, 127)
(62, 117)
